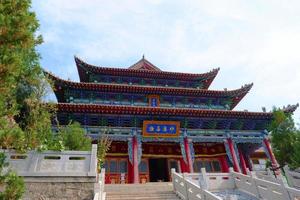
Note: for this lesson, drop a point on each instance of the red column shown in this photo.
(224, 164)
(183, 166)
(269, 149)
(188, 155)
(243, 162)
(135, 160)
(233, 155)
(248, 162)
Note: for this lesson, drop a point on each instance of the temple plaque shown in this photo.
(161, 128)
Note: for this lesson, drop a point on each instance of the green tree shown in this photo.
(24, 118)
(23, 115)
(283, 136)
(102, 148)
(295, 158)
(13, 185)
(73, 137)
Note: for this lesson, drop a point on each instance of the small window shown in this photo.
(106, 167)
(143, 167)
(198, 164)
(123, 166)
(113, 166)
(207, 165)
(216, 166)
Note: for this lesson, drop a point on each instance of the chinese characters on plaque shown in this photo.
(161, 128)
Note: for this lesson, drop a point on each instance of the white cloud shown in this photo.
(251, 41)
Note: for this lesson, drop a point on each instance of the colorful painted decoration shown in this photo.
(161, 128)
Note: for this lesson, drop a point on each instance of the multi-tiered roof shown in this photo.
(124, 92)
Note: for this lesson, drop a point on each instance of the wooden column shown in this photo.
(188, 155)
(233, 155)
(248, 162)
(269, 149)
(224, 164)
(135, 160)
(243, 162)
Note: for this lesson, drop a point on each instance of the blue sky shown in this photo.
(251, 41)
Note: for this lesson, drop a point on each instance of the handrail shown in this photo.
(188, 186)
(99, 193)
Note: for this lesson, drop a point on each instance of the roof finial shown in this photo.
(143, 56)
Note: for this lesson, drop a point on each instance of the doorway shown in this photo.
(158, 170)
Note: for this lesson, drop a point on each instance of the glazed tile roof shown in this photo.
(144, 69)
(235, 95)
(136, 110)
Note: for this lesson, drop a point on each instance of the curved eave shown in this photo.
(290, 108)
(84, 68)
(241, 94)
(135, 110)
(236, 95)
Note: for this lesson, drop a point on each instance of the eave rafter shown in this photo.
(84, 69)
(135, 110)
(235, 95)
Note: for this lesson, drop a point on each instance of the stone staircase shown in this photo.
(148, 191)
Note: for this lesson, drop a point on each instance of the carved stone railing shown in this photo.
(59, 175)
(208, 185)
(293, 177)
(99, 193)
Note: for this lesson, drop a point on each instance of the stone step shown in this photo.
(144, 198)
(148, 191)
(152, 196)
(137, 194)
(138, 187)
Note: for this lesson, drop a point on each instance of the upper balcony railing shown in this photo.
(145, 104)
(96, 131)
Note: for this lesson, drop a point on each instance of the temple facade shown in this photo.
(158, 120)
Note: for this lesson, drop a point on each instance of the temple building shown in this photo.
(158, 120)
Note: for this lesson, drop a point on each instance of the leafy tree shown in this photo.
(23, 115)
(103, 147)
(283, 136)
(24, 118)
(295, 158)
(13, 185)
(73, 137)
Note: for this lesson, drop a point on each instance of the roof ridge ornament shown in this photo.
(144, 64)
(290, 108)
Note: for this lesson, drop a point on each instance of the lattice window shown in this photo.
(209, 165)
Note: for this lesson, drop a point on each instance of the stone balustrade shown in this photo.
(218, 186)
(293, 177)
(58, 175)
